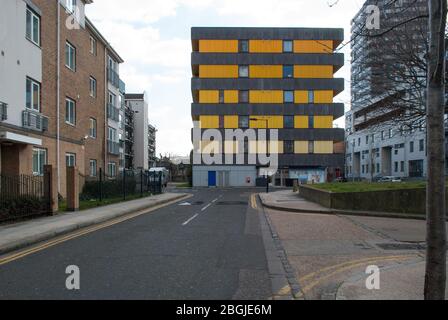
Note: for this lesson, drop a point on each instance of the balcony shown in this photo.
(113, 113)
(113, 78)
(34, 121)
(3, 111)
(113, 147)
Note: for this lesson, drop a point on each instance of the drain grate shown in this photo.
(401, 246)
(232, 203)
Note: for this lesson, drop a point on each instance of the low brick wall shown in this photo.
(399, 201)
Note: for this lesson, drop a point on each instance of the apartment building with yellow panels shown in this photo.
(275, 78)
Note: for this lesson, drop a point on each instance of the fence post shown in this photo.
(124, 184)
(160, 182)
(141, 182)
(101, 185)
(72, 189)
(51, 189)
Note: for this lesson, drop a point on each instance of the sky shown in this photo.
(153, 38)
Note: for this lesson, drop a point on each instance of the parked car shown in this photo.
(340, 179)
(390, 179)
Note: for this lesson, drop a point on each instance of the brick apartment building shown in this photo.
(54, 99)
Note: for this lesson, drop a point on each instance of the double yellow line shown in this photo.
(253, 201)
(84, 231)
(344, 267)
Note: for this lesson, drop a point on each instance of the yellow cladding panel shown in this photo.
(301, 96)
(274, 122)
(231, 96)
(231, 147)
(209, 147)
(313, 46)
(276, 147)
(231, 122)
(266, 46)
(323, 147)
(209, 122)
(219, 46)
(266, 96)
(266, 71)
(323, 122)
(301, 147)
(209, 96)
(317, 72)
(323, 96)
(301, 122)
(218, 71)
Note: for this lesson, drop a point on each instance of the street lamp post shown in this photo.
(267, 138)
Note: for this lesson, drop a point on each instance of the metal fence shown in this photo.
(128, 184)
(22, 196)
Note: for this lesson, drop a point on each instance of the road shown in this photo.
(210, 248)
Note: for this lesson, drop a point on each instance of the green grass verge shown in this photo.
(86, 204)
(368, 186)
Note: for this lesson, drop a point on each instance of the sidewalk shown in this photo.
(20, 235)
(287, 200)
(403, 281)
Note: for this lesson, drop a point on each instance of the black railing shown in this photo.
(128, 184)
(22, 196)
(34, 120)
(112, 112)
(113, 78)
(113, 147)
(3, 111)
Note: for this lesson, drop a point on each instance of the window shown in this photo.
(287, 46)
(92, 87)
(377, 168)
(70, 111)
(402, 166)
(422, 145)
(39, 160)
(32, 95)
(244, 96)
(288, 122)
(112, 99)
(367, 168)
(70, 159)
(243, 121)
(93, 45)
(93, 170)
(243, 71)
(310, 96)
(112, 169)
(92, 128)
(367, 139)
(71, 5)
(310, 147)
(288, 96)
(311, 122)
(359, 142)
(244, 46)
(288, 146)
(288, 72)
(221, 96)
(411, 146)
(396, 166)
(382, 135)
(32, 26)
(70, 56)
(112, 134)
(390, 133)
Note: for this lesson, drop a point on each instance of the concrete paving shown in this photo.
(19, 235)
(330, 254)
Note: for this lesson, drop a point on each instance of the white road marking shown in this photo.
(191, 219)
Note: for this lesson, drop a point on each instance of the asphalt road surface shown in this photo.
(208, 248)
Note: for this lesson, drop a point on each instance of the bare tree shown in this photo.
(435, 278)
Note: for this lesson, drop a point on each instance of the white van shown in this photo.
(165, 175)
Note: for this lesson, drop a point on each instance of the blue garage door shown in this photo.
(212, 178)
